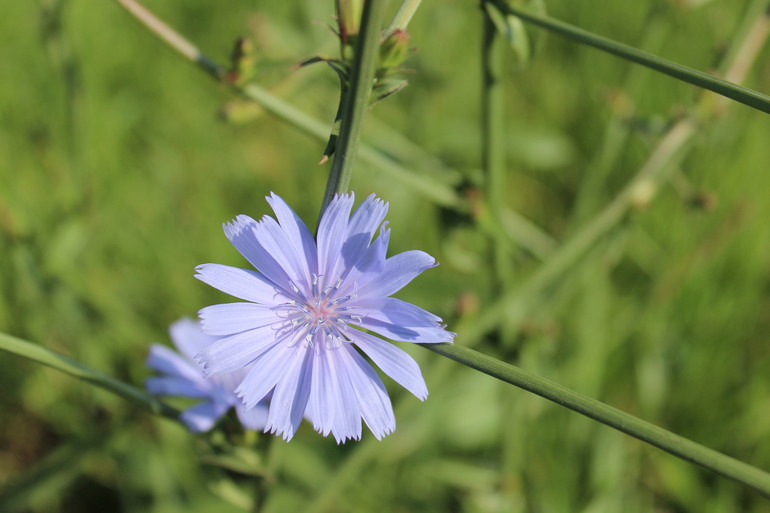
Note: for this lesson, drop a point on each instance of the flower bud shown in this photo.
(242, 61)
(349, 18)
(394, 49)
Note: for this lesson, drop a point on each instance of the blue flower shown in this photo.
(310, 312)
(183, 377)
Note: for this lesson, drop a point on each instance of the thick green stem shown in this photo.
(74, 368)
(356, 101)
(650, 433)
(738, 93)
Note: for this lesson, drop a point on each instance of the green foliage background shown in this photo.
(116, 174)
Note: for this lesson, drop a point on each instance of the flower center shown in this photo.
(319, 318)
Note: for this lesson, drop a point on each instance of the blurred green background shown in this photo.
(116, 172)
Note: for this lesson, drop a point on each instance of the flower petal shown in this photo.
(236, 351)
(397, 311)
(322, 396)
(241, 233)
(369, 265)
(287, 406)
(188, 337)
(417, 334)
(296, 230)
(398, 271)
(363, 223)
(241, 283)
(345, 410)
(331, 236)
(399, 320)
(277, 244)
(162, 359)
(372, 396)
(176, 386)
(254, 418)
(264, 375)
(231, 318)
(202, 417)
(393, 361)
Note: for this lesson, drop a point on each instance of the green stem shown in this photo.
(640, 191)
(633, 426)
(437, 191)
(79, 370)
(403, 16)
(493, 141)
(512, 306)
(356, 101)
(172, 38)
(736, 92)
(441, 193)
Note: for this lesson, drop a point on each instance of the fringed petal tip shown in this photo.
(200, 359)
(386, 432)
(341, 439)
(344, 196)
(236, 226)
(285, 434)
(248, 401)
(451, 336)
(200, 271)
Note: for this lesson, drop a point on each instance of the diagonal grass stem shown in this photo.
(673, 444)
(79, 370)
(437, 191)
(749, 97)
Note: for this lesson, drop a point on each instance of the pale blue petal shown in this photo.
(372, 396)
(417, 334)
(262, 378)
(277, 244)
(373, 258)
(287, 406)
(177, 386)
(187, 336)
(234, 352)
(398, 271)
(346, 410)
(254, 418)
(232, 318)
(166, 361)
(369, 266)
(241, 233)
(393, 361)
(322, 395)
(202, 417)
(363, 223)
(241, 283)
(296, 230)
(397, 311)
(331, 236)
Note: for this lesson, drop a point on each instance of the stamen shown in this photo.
(340, 300)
